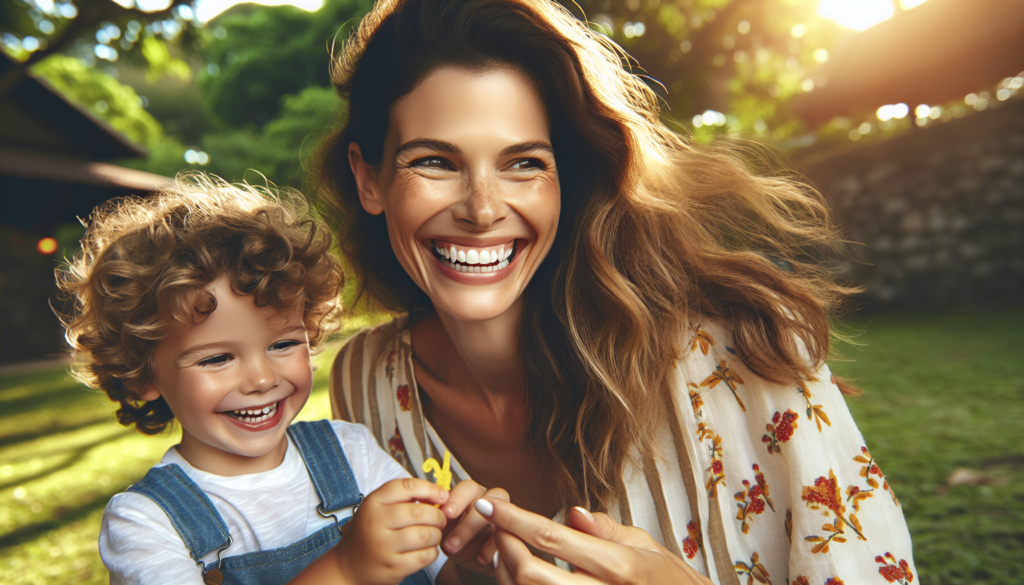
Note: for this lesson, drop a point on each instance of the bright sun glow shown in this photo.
(861, 14)
(207, 9)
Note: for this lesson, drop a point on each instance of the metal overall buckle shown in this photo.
(320, 510)
(214, 575)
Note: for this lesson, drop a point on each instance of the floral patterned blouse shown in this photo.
(758, 483)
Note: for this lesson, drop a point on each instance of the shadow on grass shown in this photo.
(66, 396)
(68, 461)
(19, 536)
(51, 430)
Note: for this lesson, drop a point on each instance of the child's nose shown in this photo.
(261, 376)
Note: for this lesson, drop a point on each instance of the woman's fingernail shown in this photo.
(484, 507)
(495, 559)
(453, 543)
(586, 513)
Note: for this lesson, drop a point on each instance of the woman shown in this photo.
(590, 317)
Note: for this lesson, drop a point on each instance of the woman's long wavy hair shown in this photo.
(145, 264)
(655, 235)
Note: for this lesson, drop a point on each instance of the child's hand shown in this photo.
(392, 536)
(468, 538)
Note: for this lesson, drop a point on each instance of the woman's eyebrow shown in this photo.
(527, 147)
(430, 144)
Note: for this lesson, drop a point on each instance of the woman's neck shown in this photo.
(478, 356)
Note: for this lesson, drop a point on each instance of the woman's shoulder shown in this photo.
(365, 353)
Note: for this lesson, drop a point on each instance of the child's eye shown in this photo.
(433, 162)
(215, 360)
(283, 345)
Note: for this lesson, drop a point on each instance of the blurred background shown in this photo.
(906, 114)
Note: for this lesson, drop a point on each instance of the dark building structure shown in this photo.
(51, 173)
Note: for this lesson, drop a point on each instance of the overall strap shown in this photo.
(191, 512)
(327, 464)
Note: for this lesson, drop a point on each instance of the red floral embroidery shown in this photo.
(834, 581)
(754, 570)
(801, 580)
(780, 430)
(722, 373)
(404, 397)
(752, 500)
(826, 493)
(692, 542)
(717, 469)
(397, 447)
(896, 572)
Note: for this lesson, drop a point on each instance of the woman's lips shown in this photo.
(472, 260)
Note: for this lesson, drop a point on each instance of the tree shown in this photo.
(36, 29)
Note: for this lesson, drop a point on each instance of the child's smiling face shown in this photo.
(234, 382)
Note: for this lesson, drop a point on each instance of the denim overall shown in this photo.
(203, 530)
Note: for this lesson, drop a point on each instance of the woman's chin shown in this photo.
(474, 307)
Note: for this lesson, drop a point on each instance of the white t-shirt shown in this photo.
(262, 511)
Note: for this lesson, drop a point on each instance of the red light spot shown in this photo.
(47, 246)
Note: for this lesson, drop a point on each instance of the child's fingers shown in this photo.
(398, 516)
(414, 538)
(409, 489)
(462, 497)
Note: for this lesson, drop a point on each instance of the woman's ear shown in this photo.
(366, 184)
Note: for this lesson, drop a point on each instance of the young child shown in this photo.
(202, 303)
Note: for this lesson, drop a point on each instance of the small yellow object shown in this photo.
(442, 474)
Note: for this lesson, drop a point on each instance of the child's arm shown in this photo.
(139, 545)
(394, 533)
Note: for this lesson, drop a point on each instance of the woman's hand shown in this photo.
(468, 539)
(601, 550)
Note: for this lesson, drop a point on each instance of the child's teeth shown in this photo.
(473, 257)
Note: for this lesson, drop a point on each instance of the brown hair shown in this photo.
(145, 264)
(655, 235)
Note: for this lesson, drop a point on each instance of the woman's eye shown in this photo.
(527, 164)
(433, 162)
(215, 360)
(283, 345)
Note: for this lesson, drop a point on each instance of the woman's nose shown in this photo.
(482, 206)
(260, 376)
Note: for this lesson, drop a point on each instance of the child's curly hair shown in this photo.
(145, 264)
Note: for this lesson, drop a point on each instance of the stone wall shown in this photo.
(939, 211)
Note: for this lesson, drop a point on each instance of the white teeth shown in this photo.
(476, 261)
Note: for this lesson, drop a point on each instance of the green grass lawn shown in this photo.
(941, 392)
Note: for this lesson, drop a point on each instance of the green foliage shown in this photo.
(103, 95)
(279, 149)
(737, 57)
(266, 53)
(161, 63)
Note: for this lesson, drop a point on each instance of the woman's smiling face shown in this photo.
(469, 188)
